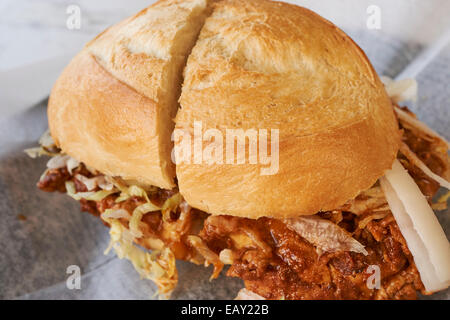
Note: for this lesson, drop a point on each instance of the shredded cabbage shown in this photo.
(134, 191)
(414, 159)
(173, 202)
(128, 192)
(115, 214)
(210, 256)
(38, 151)
(72, 164)
(63, 161)
(412, 122)
(92, 183)
(158, 266)
(137, 215)
(46, 144)
(46, 140)
(91, 196)
(170, 205)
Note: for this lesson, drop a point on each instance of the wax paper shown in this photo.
(42, 234)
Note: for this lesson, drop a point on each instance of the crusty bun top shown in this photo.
(267, 65)
(113, 106)
(255, 64)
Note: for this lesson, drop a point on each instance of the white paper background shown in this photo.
(35, 253)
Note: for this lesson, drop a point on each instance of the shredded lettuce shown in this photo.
(38, 152)
(46, 140)
(137, 215)
(158, 266)
(97, 181)
(91, 196)
(46, 145)
(172, 202)
(170, 205)
(63, 161)
(122, 197)
(128, 192)
(115, 214)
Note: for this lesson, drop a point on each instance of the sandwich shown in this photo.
(256, 137)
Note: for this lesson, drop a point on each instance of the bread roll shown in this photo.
(267, 65)
(255, 64)
(113, 106)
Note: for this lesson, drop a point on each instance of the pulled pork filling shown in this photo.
(277, 259)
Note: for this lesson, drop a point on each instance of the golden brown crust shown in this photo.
(115, 112)
(257, 65)
(268, 65)
(91, 114)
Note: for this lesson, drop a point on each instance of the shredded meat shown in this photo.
(274, 261)
(433, 154)
(292, 269)
(54, 180)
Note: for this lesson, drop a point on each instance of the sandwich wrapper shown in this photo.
(42, 234)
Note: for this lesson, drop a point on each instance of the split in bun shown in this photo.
(113, 106)
(256, 64)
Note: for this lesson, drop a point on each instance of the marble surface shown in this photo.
(35, 253)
